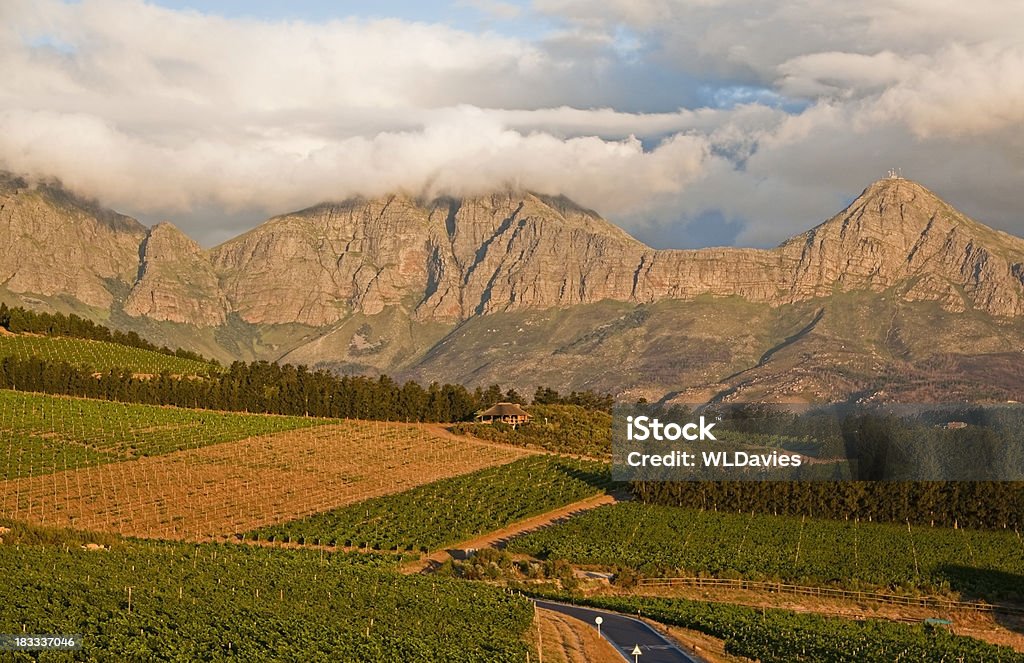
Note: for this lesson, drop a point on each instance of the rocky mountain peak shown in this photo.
(176, 281)
(450, 259)
(55, 243)
(890, 207)
(165, 241)
(897, 233)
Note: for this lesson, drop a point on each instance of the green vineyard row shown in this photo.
(168, 602)
(451, 510)
(44, 434)
(657, 540)
(100, 355)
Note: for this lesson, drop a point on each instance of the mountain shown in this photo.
(176, 281)
(899, 234)
(57, 245)
(889, 298)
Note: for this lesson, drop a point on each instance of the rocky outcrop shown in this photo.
(176, 281)
(752, 274)
(54, 243)
(319, 265)
(897, 232)
(522, 251)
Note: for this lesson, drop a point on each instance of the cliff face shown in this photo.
(511, 252)
(899, 233)
(450, 260)
(444, 260)
(56, 244)
(319, 265)
(176, 281)
(468, 288)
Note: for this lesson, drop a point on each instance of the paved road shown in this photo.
(625, 633)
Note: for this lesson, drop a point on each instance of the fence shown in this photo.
(830, 592)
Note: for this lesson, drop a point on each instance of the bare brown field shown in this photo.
(565, 639)
(213, 492)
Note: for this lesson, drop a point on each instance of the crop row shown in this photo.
(99, 355)
(45, 434)
(163, 602)
(451, 510)
(657, 540)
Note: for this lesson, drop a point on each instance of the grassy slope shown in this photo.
(567, 429)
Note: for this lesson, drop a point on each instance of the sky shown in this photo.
(704, 122)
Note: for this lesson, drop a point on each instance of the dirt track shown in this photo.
(498, 537)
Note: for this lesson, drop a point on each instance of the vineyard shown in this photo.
(781, 636)
(99, 355)
(163, 602)
(185, 474)
(669, 540)
(45, 434)
(445, 512)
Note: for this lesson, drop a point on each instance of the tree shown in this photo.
(490, 396)
(546, 396)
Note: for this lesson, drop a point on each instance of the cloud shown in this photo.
(656, 113)
(463, 151)
(841, 74)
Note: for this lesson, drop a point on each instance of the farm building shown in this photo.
(506, 413)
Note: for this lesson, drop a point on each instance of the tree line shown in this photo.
(259, 386)
(18, 320)
(585, 399)
(262, 387)
(965, 504)
(253, 387)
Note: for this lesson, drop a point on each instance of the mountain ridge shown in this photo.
(405, 285)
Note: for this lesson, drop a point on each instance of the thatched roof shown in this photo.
(504, 410)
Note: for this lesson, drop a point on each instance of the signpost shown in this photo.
(598, 620)
(636, 653)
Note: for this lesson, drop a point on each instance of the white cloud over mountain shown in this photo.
(652, 112)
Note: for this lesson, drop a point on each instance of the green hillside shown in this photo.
(43, 434)
(99, 355)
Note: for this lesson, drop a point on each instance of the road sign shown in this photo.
(598, 620)
(636, 653)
